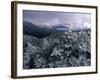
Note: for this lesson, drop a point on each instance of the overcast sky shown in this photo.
(51, 18)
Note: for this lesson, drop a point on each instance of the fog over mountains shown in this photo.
(43, 30)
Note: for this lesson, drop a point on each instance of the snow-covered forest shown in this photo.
(70, 49)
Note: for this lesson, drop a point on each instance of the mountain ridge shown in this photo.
(41, 32)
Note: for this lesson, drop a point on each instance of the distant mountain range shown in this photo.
(41, 31)
(32, 29)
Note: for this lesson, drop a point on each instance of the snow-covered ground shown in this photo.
(57, 50)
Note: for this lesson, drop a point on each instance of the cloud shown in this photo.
(86, 25)
(52, 18)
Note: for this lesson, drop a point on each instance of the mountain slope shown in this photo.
(70, 49)
(40, 32)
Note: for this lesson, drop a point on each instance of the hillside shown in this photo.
(70, 49)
